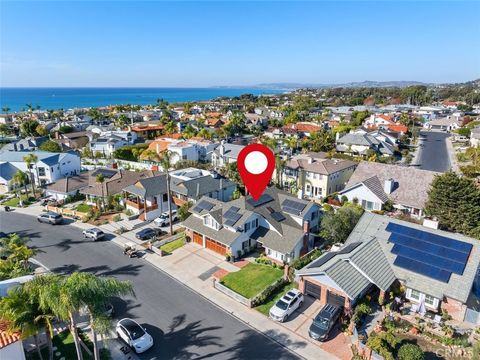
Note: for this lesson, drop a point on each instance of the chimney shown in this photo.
(310, 160)
(432, 224)
(388, 186)
(198, 189)
(222, 148)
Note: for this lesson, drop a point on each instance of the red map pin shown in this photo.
(256, 163)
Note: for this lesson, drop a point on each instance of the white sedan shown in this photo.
(134, 335)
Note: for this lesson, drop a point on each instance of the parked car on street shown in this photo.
(50, 218)
(286, 305)
(164, 219)
(324, 322)
(148, 233)
(134, 335)
(93, 233)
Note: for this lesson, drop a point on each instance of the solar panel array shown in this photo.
(278, 216)
(105, 172)
(322, 260)
(349, 248)
(203, 205)
(432, 255)
(231, 216)
(293, 207)
(265, 198)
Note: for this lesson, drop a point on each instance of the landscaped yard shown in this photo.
(83, 208)
(171, 246)
(14, 201)
(252, 279)
(265, 308)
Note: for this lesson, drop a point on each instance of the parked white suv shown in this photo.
(163, 220)
(284, 307)
(134, 335)
(93, 233)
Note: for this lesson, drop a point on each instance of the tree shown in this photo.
(236, 124)
(410, 352)
(183, 212)
(20, 179)
(455, 202)
(31, 159)
(6, 109)
(100, 179)
(5, 130)
(122, 121)
(13, 248)
(279, 163)
(383, 343)
(170, 128)
(205, 134)
(28, 128)
(65, 129)
(23, 314)
(337, 226)
(319, 141)
(165, 161)
(50, 146)
(41, 130)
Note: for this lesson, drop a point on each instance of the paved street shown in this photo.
(433, 153)
(183, 324)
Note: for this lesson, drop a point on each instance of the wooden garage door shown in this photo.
(198, 238)
(335, 299)
(312, 289)
(216, 246)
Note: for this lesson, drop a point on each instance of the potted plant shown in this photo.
(228, 256)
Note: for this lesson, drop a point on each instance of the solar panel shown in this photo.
(229, 222)
(265, 198)
(205, 205)
(278, 216)
(429, 237)
(293, 207)
(349, 248)
(197, 209)
(105, 172)
(422, 269)
(322, 260)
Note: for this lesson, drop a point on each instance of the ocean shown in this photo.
(67, 98)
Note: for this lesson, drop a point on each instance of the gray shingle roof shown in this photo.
(155, 185)
(7, 171)
(358, 139)
(196, 188)
(348, 278)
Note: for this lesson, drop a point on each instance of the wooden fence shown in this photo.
(67, 212)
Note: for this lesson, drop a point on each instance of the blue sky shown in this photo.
(203, 43)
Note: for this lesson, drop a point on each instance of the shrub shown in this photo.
(183, 212)
(410, 352)
(116, 218)
(268, 292)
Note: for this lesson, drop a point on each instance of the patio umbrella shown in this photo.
(421, 308)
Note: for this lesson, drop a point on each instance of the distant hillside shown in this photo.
(367, 83)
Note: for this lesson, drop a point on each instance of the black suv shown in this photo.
(324, 322)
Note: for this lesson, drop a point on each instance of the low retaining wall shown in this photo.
(229, 292)
(67, 212)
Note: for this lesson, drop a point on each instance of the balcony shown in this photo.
(179, 202)
(151, 208)
(134, 204)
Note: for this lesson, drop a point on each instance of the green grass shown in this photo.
(265, 308)
(64, 343)
(252, 279)
(83, 208)
(14, 201)
(171, 246)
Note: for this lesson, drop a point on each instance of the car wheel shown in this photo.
(285, 318)
(300, 305)
(133, 349)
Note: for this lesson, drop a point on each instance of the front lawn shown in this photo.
(171, 246)
(265, 308)
(14, 201)
(252, 279)
(83, 208)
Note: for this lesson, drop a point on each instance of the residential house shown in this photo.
(475, 137)
(48, 168)
(360, 144)
(74, 140)
(115, 181)
(107, 145)
(437, 268)
(278, 223)
(447, 123)
(374, 184)
(315, 176)
(300, 129)
(68, 186)
(256, 120)
(27, 144)
(194, 149)
(191, 184)
(6, 119)
(11, 346)
(377, 120)
(225, 154)
(148, 130)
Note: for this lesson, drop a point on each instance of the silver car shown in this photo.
(93, 233)
(50, 218)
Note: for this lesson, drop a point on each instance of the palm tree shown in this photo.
(19, 179)
(22, 311)
(279, 163)
(29, 160)
(95, 292)
(166, 163)
(100, 179)
(6, 109)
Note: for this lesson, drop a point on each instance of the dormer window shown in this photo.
(210, 222)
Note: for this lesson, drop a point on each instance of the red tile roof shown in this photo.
(398, 128)
(301, 127)
(7, 338)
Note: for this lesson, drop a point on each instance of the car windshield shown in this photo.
(321, 322)
(282, 304)
(136, 332)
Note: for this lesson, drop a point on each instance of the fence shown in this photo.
(229, 292)
(67, 212)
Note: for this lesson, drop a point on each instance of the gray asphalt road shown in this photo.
(433, 153)
(183, 324)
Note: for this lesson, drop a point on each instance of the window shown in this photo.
(414, 294)
(269, 252)
(256, 223)
(307, 188)
(430, 300)
(165, 197)
(245, 245)
(247, 226)
(313, 216)
(281, 257)
(41, 171)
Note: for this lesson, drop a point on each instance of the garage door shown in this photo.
(312, 289)
(216, 246)
(335, 299)
(198, 238)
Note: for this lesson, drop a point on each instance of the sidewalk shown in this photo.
(452, 155)
(193, 267)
